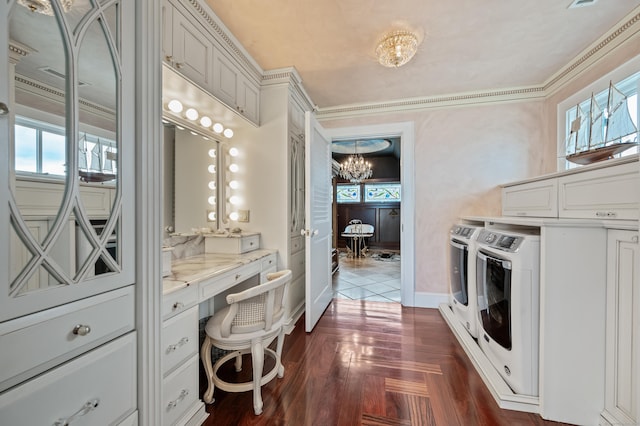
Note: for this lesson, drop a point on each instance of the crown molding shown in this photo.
(288, 76)
(54, 95)
(627, 28)
(224, 37)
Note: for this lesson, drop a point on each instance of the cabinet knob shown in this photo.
(81, 330)
(4, 109)
(178, 65)
(168, 58)
(178, 305)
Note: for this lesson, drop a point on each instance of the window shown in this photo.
(40, 148)
(348, 193)
(628, 86)
(382, 192)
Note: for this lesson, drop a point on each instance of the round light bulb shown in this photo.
(235, 200)
(228, 133)
(191, 114)
(234, 152)
(212, 184)
(218, 128)
(233, 215)
(212, 200)
(233, 167)
(205, 121)
(212, 153)
(234, 184)
(211, 215)
(175, 106)
(211, 168)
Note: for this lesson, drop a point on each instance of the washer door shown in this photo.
(494, 297)
(458, 264)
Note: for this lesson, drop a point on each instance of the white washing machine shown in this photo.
(462, 275)
(508, 291)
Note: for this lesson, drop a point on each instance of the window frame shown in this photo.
(621, 73)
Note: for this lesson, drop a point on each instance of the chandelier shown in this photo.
(355, 169)
(44, 6)
(397, 48)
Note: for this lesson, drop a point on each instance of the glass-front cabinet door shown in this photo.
(66, 151)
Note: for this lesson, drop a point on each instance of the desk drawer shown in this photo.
(178, 301)
(213, 286)
(179, 338)
(102, 383)
(180, 391)
(38, 342)
(297, 244)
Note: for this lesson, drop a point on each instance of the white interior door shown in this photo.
(318, 291)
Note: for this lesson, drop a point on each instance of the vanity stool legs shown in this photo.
(257, 358)
(205, 356)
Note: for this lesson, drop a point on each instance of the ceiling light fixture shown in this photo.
(355, 169)
(397, 48)
(44, 6)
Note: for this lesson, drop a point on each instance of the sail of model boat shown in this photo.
(82, 153)
(95, 167)
(611, 131)
(620, 127)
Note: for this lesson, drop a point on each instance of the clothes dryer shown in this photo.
(508, 292)
(462, 275)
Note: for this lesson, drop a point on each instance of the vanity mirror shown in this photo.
(70, 148)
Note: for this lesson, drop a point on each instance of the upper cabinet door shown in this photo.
(66, 173)
(192, 52)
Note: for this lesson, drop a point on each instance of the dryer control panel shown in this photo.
(505, 242)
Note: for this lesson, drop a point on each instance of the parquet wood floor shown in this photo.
(371, 363)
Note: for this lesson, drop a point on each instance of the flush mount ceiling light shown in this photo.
(44, 6)
(397, 48)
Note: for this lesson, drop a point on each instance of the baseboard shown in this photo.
(295, 316)
(429, 300)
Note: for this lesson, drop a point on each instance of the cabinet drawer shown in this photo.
(37, 342)
(269, 262)
(179, 339)
(233, 245)
(213, 286)
(180, 391)
(536, 199)
(297, 264)
(101, 382)
(175, 302)
(608, 193)
(297, 244)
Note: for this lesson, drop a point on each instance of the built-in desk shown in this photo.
(192, 281)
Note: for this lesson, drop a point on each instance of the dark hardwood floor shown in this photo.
(370, 363)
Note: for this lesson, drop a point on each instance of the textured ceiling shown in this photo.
(467, 45)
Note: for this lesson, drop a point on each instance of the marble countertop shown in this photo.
(191, 270)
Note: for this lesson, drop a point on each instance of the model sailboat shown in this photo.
(92, 165)
(602, 133)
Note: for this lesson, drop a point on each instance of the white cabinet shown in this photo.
(186, 47)
(601, 191)
(622, 395)
(233, 88)
(537, 199)
(98, 387)
(608, 193)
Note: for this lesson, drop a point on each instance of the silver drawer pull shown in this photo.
(238, 276)
(86, 408)
(182, 342)
(175, 402)
(178, 305)
(81, 330)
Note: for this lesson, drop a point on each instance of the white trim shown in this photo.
(430, 300)
(406, 132)
(148, 186)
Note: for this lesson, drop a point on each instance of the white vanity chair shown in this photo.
(253, 319)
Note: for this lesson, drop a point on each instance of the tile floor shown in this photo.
(368, 278)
